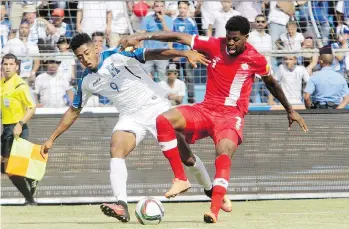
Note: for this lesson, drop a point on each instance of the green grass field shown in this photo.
(276, 214)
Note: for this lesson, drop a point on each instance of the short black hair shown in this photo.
(238, 23)
(185, 2)
(9, 56)
(62, 40)
(97, 34)
(80, 39)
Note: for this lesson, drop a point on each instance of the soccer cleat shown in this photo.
(179, 186)
(210, 217)
(226, 204)
(119, 210)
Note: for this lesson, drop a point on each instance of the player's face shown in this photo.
(87, 55)
(235, 42)
(9, 67)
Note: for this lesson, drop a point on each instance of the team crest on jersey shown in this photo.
(244, 66)
(113, 70)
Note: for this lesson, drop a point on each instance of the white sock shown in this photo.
(200, 173)
(118, 178)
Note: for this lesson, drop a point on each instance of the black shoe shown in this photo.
(119, 210)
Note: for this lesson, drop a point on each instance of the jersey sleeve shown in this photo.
(26, 96)
(138, 54)
(81, 95)
(261, 66)
(203, 43)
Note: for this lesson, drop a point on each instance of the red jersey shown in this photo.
(230, 79)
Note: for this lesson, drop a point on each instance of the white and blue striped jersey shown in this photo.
(121, 78)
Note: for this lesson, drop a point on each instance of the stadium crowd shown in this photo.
(31, 28)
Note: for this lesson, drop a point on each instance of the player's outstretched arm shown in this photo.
(276, 90)
(135, 39)
(166, 54)
(67, 120)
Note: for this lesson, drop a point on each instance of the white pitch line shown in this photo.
(310, 213)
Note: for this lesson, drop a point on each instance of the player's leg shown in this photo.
(225, 148)
(127, 134)
(193, 163)
(33, 184)
(166, 124)
(197, 168)
(18, 181)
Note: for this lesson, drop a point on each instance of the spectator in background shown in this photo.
(291, 78)
(51, 87)
(174, 86)
(5, 26)
(91, 16)
(259, 38)
(16, 9)
(309, 60)
(262, 42)
(98, 39)
(278, 19)
(67, 66)
(154, 23)
(183, 24)
(326, 89)
(21, 46)
(342, 13)
(39, 27)
(218, 19)
(291, 40)
(207, 9)
(249, 9)
(62, 28)
(118, 23)
(341, 43)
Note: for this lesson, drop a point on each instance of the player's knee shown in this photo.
(117, 151)
(226, 147)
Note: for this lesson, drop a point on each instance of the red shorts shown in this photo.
(216, 122)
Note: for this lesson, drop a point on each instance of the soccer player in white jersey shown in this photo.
(120, 77)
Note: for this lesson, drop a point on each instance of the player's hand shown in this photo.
(17, 130)
(128, 42)
(45, 147)
(294, 116)
(193, 57)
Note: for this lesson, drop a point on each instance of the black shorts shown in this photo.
(7, 138)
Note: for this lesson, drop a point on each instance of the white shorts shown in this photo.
(144, 120)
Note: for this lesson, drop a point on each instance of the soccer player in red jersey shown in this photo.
(234, 64)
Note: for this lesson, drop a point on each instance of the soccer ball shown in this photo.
(149, 211)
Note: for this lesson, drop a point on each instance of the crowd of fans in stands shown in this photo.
(29, 28)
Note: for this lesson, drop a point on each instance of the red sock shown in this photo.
(168, 143)
(220, 183)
